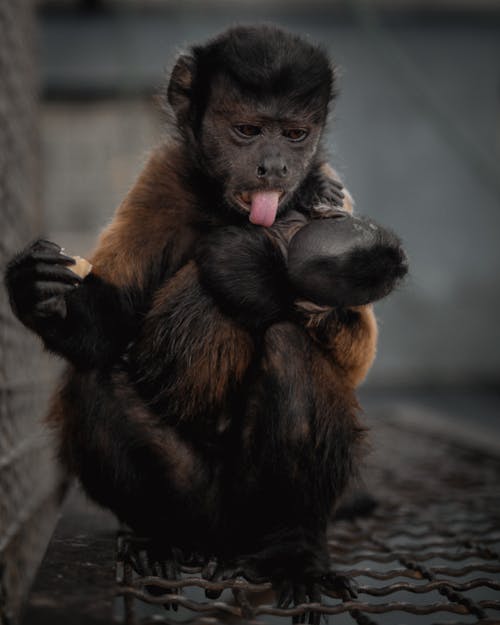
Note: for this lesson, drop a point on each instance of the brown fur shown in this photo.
(159, 208)
(212, 352)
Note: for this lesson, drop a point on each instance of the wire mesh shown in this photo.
(429, 553)
(27, 474)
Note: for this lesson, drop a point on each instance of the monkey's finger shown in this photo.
(56, 259)
(157, 569)
(230, 572)
(337, 191)
(212, 593)
(42, 271)
(315, 593)
(209, 568)
(336, 183)
(217, 577)
(168, 570)
(43, 289)
(171, 569)
(151, 567)
(164, 570)
(333, 188)
(298, 619)
(56, 271)
(194, 559)
(341, 585)
(42, 250)
(336, 199)
(300, 594)
(314, 618)
(246, 569)
(299, 598)
(285, 596)
(44, 244)
(131, 558)
(177, 554)
(54, 306)
(143, 559)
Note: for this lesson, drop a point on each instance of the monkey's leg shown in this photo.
(299, 447)
(149, 474)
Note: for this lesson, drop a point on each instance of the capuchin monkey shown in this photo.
(215, 348)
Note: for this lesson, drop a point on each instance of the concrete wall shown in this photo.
(28, 476)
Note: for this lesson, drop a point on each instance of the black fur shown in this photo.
(265, 63)
(203, 412)
(345, 261)
(241, 282)
(89, 321)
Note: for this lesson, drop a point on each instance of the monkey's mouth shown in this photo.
(262, 206)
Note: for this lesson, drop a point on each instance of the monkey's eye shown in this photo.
(247, 130)
(295, 134)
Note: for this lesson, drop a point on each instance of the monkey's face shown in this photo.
(259, 150)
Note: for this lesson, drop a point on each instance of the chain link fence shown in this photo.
(28, 476)
(428, 555)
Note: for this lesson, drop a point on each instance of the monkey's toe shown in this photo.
(165, 566)
(296, 594)
(214, 572)
(222, 571)
(340, 585)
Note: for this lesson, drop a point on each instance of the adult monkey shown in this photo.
(211, 379)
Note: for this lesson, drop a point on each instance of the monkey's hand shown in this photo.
(87, 321)
(37, 280)
(345, 261)
(329, 191)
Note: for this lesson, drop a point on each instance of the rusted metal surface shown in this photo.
(430, 553)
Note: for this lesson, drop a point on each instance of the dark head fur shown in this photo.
(263, 61)
(263, 77)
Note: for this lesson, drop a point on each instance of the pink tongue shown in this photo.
(264, 207)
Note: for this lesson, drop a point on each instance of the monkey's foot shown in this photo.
(217, 572)
(297, 593)
(149, 560)
(340, 585)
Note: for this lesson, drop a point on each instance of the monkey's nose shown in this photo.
(272, 166)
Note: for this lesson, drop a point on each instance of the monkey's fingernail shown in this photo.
(65, 257)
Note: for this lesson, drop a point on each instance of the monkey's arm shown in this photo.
(349, 334)
(255, 274)
(245, 268)
(340, 265)
(90, 322)
(256, 296)
(245, 272)
(333, 267)
(87, 321)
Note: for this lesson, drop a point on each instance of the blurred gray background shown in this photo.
(415, 135)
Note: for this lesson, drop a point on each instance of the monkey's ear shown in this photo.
(180, 86)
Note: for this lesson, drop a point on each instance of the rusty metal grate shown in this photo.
(429, 554)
